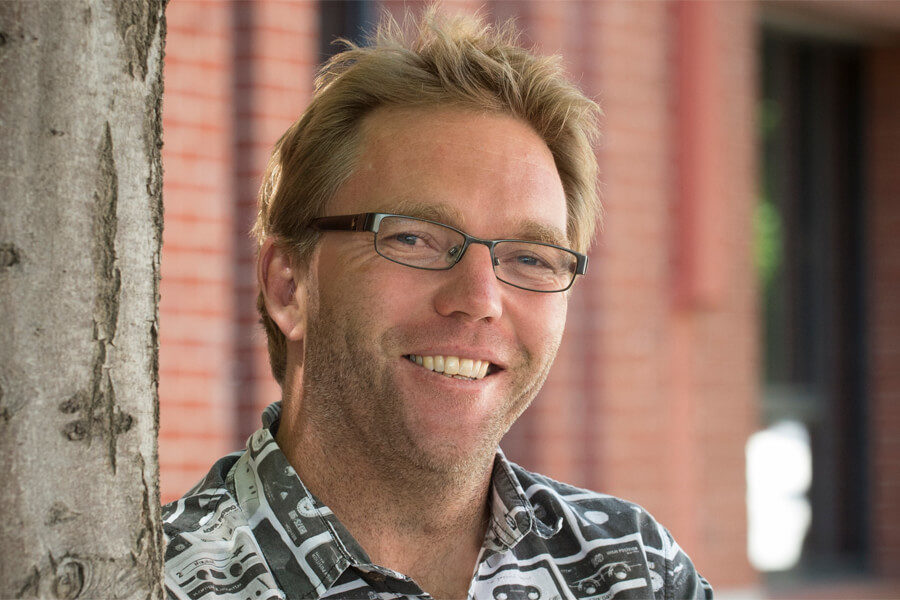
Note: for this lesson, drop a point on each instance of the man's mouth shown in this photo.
(457, 367)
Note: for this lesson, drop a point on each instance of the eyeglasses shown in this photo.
(424, 244)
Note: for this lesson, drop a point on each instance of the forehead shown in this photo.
(486, 173)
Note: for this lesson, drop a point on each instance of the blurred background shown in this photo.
(732, 359)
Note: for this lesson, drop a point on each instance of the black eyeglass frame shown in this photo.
(372, 221)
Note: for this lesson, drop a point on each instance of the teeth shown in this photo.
(465, 367)
(453, 366)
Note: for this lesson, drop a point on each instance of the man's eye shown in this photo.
(407, 238)
(529, 260)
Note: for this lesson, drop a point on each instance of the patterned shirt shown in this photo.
(251, 530)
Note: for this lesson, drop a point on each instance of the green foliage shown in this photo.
(767, 241)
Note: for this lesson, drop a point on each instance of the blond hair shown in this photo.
(435, 60)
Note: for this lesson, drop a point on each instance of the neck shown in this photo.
(424, 524)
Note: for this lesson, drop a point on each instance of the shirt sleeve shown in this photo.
(683, 582)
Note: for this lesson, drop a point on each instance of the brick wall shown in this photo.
(196, 306)
(624, 408)
(236, 76)
(884, 307)
(275, 55)
(654, 392)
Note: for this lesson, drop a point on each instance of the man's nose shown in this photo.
(471, 290)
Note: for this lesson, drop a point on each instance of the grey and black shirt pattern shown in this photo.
(251, 530)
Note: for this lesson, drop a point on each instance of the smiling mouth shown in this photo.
(469, 369)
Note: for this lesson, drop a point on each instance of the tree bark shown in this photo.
(80, 235)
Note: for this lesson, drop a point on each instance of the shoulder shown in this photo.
(610, 533)
(191, 512)
(591, 510)
(210, 550)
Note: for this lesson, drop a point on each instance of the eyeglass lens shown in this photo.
(425, 245)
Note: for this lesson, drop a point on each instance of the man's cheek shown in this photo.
(546, 323)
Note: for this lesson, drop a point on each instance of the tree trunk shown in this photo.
(80, 234)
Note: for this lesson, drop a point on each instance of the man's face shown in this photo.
(490, 176)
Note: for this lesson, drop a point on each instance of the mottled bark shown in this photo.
(80, 234)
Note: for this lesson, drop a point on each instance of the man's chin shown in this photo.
(452, 459)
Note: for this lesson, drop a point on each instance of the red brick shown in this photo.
(884, 147)
(633, 364)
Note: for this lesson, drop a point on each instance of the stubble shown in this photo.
(352, 401)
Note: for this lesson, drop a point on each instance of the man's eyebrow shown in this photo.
(539, 232)
(442, 213)
(450, 215)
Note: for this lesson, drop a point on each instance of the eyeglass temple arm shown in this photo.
(581, 265)
(358, 222)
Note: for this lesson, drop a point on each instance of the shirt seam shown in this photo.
(518, 490)
(504, 536)
(668, 592)
(342, 553)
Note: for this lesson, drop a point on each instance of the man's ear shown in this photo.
(281, 284)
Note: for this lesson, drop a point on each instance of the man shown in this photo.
(420, 226)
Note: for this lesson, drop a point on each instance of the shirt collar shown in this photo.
(305, 545)
(274, 498)
(512, 512)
